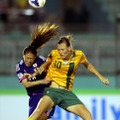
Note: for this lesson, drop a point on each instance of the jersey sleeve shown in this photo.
(19, 72)
(43, 59)
(49, 58)
(83, 58)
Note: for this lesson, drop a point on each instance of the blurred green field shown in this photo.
(82, 85)
(76, 91)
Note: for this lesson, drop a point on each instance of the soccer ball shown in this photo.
(37, 3)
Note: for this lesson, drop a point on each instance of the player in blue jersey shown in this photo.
(31, 62)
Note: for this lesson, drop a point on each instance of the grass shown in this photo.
(76, 91)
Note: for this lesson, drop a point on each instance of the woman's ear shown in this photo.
(23, 56)
(70, 49)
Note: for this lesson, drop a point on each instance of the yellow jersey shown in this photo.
(62, 71)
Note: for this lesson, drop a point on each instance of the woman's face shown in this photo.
(29, 59)
(63, 50)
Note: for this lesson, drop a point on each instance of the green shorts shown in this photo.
(62, 98)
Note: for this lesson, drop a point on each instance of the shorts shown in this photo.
(62, 98)
(33, 101)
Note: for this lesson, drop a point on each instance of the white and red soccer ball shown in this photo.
(37, 3)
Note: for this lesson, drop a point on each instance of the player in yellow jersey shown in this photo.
(62, 64)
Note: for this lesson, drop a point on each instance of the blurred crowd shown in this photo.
(73, 15)
(14, 12)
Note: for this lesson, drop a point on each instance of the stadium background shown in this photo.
(95, 26)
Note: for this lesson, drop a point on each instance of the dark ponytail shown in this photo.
(42, 34)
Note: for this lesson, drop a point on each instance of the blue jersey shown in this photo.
(21, 68)
(35, 92)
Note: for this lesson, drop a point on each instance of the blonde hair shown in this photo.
(67, 39)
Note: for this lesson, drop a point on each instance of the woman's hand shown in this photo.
(105, 80)
(46, 81)
(27, 75)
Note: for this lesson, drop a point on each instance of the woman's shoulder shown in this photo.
(41, 58)
(78, 52)
(55, 51)
(20, 63)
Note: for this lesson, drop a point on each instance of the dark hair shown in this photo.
(66, 39)
(30, 49)
(42, 34)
